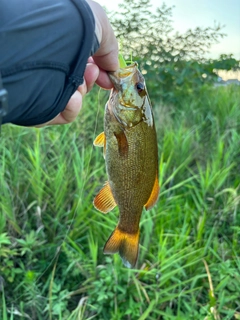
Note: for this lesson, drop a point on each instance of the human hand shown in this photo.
(105, 59)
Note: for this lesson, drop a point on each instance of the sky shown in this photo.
(202, 13)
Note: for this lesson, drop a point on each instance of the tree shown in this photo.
(174, 63)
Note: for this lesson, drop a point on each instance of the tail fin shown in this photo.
(124, 243)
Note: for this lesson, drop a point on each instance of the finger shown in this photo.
(94, 74)
(73, 107)
(82, 88)
(71, 111)
(103, 80)
(90, 75)
(109, 61)
(106, 56)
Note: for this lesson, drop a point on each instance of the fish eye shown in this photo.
(141, 89)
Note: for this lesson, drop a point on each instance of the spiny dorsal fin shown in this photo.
(104, 200)
(154, 194)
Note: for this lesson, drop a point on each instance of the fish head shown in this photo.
(129, 95)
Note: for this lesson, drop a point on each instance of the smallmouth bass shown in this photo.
(130, 149)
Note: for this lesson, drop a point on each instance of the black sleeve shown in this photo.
(44, 47)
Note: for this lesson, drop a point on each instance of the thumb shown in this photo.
(106, 56)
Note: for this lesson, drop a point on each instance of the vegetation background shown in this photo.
(51, 237)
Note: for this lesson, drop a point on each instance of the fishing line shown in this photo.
(87, 168)
(80, 193)
(58, 250)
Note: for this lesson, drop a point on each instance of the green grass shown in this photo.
(51, 237)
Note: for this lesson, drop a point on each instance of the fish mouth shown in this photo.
(128, 70)
(121, 74)
(124, 72)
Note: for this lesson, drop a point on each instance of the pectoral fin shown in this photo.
(100, 141)
(154, 194)
(104, 200)
(122, 143)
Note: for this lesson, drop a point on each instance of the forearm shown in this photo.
(44, 47)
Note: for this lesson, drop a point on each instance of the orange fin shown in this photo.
(124, 243)
(122, 143)
(104, 200)
(99, 140)
(154, 195)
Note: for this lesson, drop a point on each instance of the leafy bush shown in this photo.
(51, 237)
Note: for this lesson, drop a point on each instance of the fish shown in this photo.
(130, 150)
